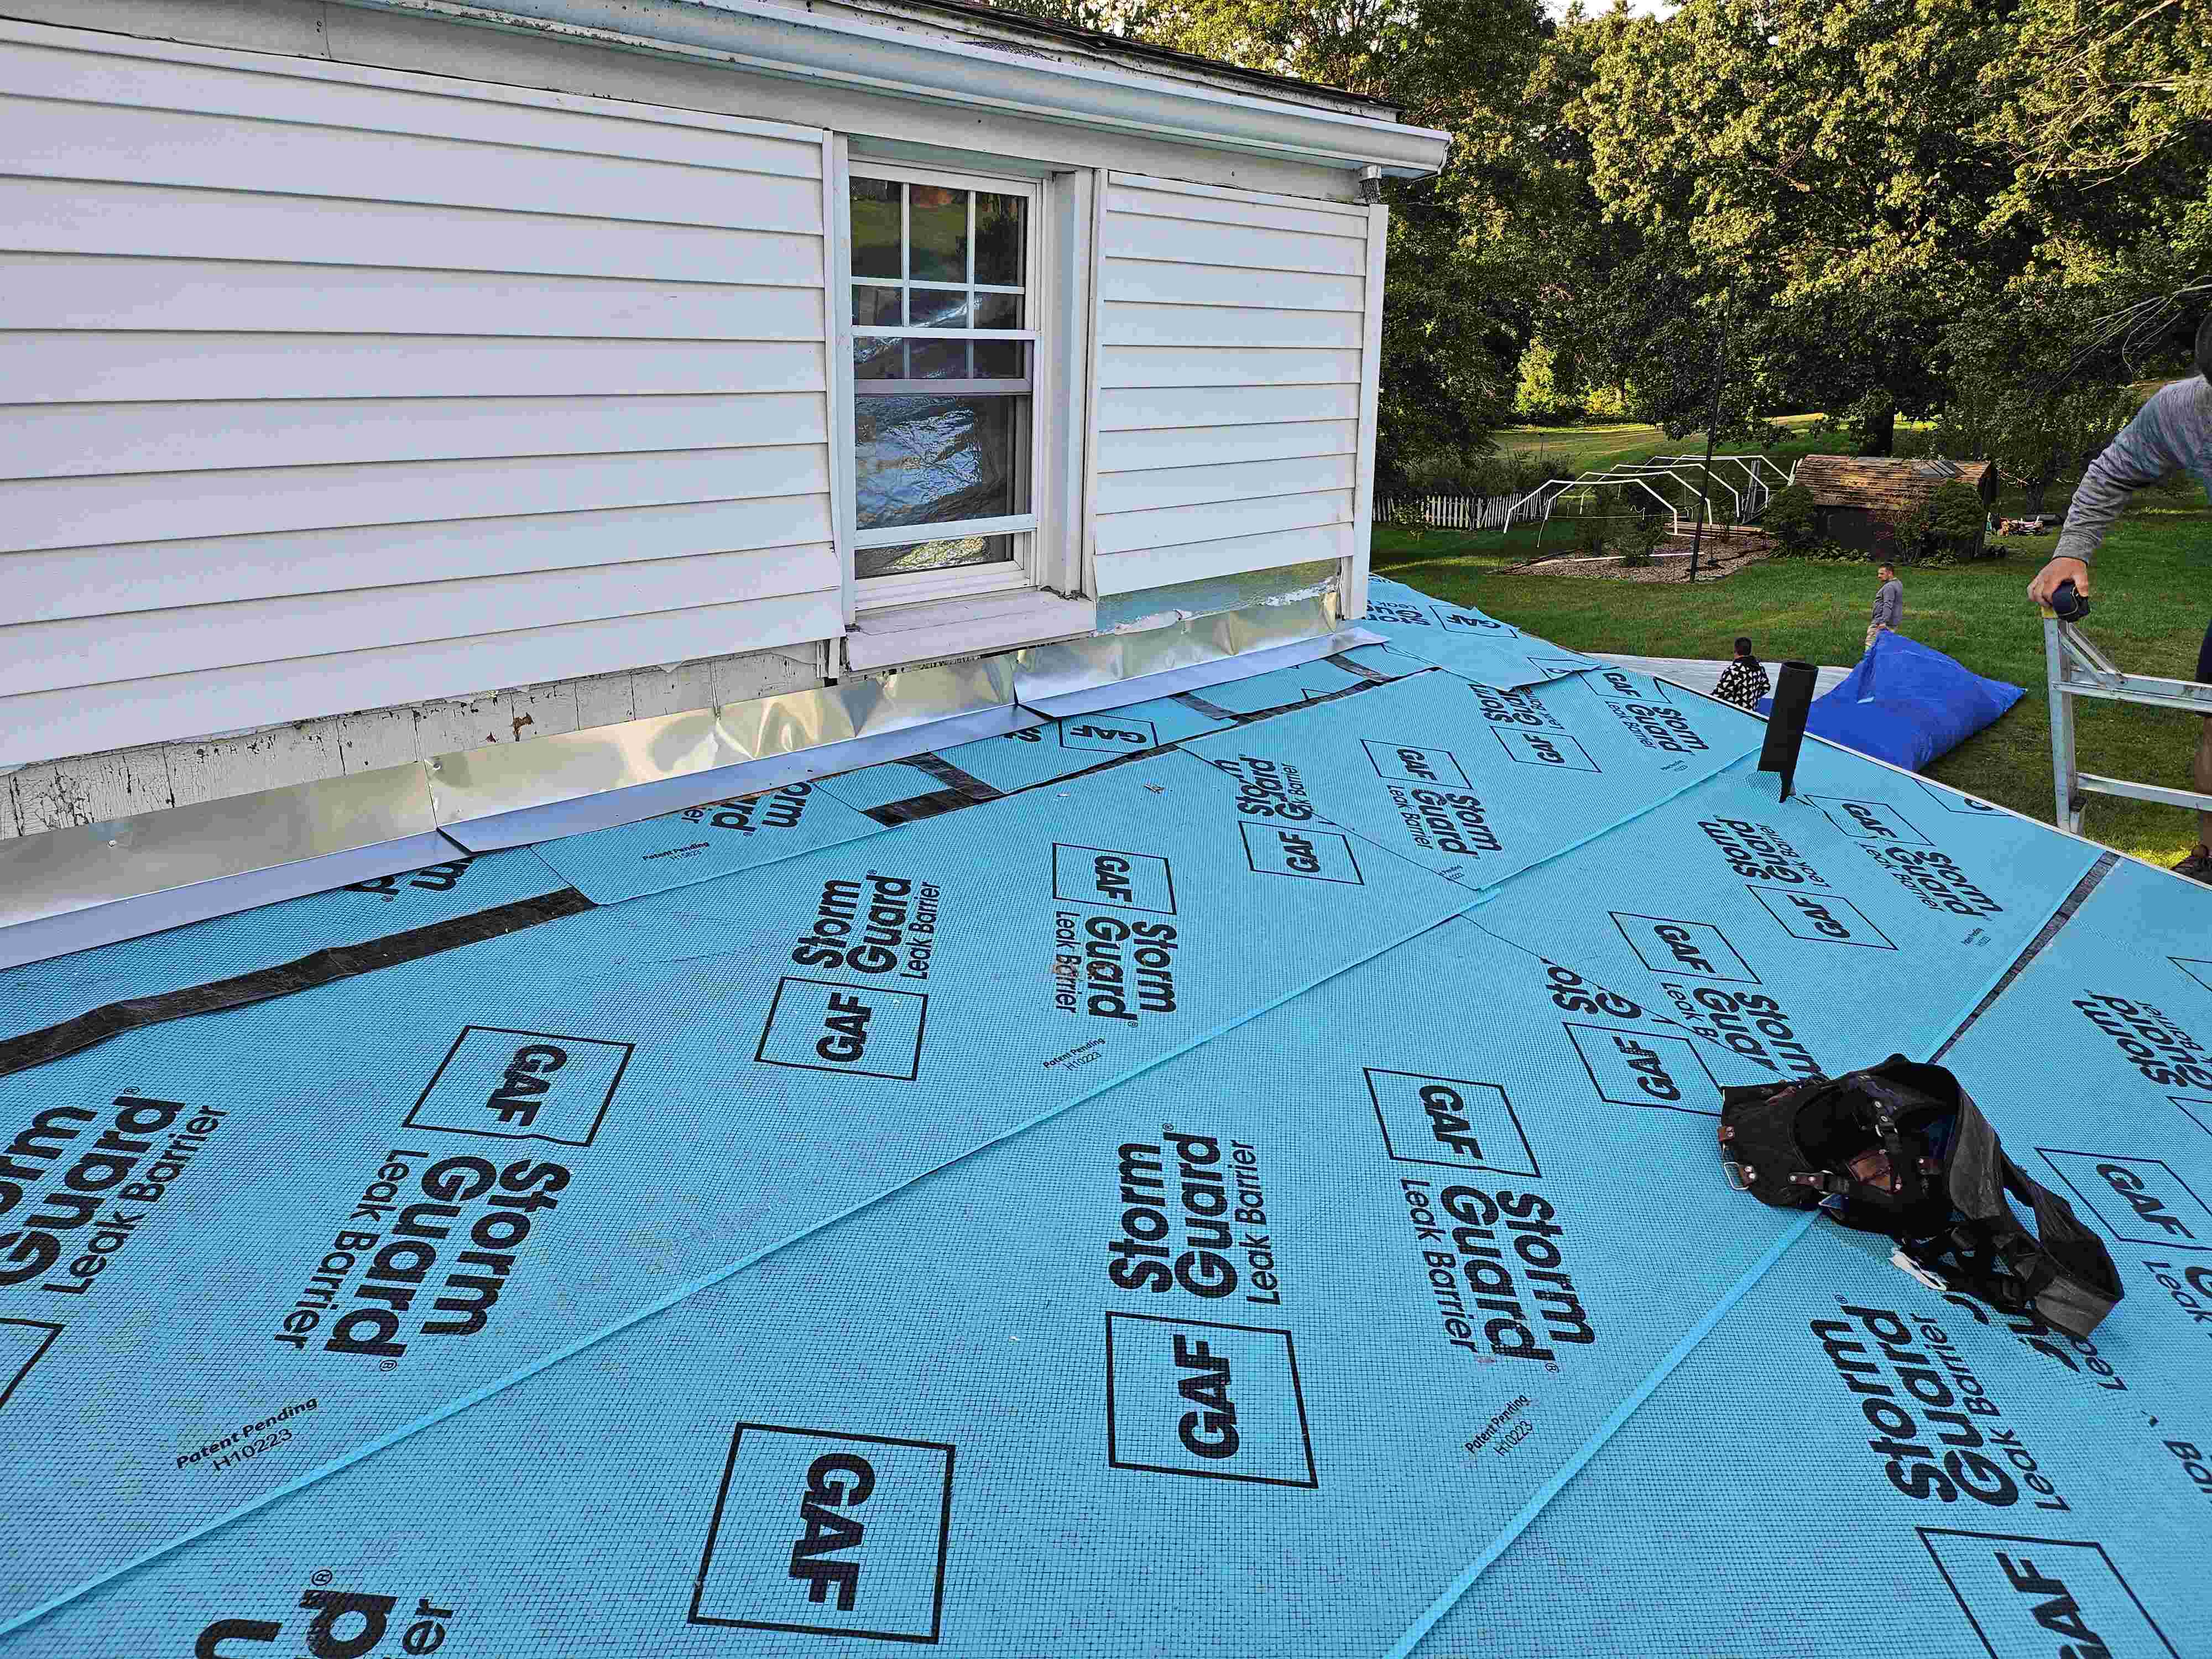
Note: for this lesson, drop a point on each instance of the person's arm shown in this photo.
(2148, 448)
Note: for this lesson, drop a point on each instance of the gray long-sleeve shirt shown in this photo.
(2174, 429)
(1889, 603)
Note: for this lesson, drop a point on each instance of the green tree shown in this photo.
(2103, 107)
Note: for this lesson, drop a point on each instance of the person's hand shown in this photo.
(2048, 580)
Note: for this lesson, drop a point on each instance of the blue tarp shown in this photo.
(1906, 703)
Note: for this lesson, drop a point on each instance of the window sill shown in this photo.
(938, 628)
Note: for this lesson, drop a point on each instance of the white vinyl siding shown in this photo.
(334, 388)
(1233, 335)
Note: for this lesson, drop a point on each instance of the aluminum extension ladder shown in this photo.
(2076, 668)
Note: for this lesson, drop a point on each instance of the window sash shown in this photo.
(943, 388)
(1023, 527)
(899, 535)
(927, 334)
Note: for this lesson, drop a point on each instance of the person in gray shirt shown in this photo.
(2171, 432)
(1888, 604)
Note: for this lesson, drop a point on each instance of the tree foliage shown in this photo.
(1996, 212)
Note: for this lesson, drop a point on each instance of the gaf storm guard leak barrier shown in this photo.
(1284, 1345)
(387, 1195)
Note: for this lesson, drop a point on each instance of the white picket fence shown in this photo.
(1444, 511)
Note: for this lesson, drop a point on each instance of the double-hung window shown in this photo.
(943, 296)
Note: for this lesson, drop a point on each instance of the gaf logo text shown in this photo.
(1824, 918)
(1870, 820)
(1450, 1122)
(523, 1085)
(2043, 1596)
(1186, 1396)
(1553, 749)
(1104, 875)
(1668, 946)
(1411, 763)
(1645, 1068)
(827, 1533)
(821, 1025)
(1116, 732)
(2141, 1201)
(1284, 849)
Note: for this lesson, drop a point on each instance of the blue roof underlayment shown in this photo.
(1215, 1181)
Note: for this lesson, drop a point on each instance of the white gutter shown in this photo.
(769, 39)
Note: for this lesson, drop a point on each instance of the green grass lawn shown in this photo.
(2154, 595)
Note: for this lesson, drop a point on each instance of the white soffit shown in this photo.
(772, 38)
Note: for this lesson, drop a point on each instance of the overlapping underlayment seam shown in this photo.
(1589, 1448)
(1986, 997)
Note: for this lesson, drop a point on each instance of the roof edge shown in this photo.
(985, 14)
(967, 71)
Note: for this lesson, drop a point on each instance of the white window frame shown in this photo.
(1026, 529)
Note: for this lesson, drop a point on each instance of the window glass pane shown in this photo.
(999, 243)
(875, 227)
(878, 360)
(951, 554)
(997, 310)
(941, 307)
(939, 230)
(1002, 360)
(878, 307)
(934, 460)
(938, 360)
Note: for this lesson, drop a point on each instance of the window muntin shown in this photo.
(944, 427)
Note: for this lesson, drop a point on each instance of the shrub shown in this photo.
(1945, 527)
(1790, 519)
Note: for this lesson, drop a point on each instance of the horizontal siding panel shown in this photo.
(1167, 448)
(1157, 282)
(1125, 202)
(59, 367)
(63, 291)
(1242, 481)
(84, 439)
(42, 215)
(189, 150)
(1133, 408)
(1128, 573)
(80, 721)
(276, 89)
(158, 507)
(1128, 325)
(1217, 521)
(1232, 247)
(91, 581)
(1143, 365)
(1238, 198)
(94, 650)
(334, 388)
